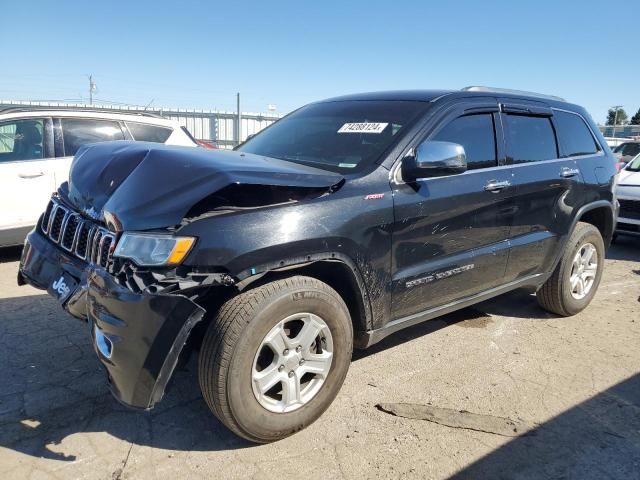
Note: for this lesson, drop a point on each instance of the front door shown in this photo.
(26, 178)
(450, 235)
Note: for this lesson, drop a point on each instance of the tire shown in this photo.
(557, 295)
(233, 348)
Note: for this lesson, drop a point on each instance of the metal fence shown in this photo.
(625, 131)
(212, 125)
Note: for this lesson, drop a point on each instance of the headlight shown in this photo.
(150, 250)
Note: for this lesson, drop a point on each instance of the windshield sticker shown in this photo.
(363, 127)
(347, 165)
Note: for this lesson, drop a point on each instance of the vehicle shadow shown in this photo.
(10, 254)
(467, 317)
(598, 438)
(626, 247)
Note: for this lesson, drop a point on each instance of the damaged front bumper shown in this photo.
(138, 337)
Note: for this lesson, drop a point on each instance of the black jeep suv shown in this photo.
(345, 221)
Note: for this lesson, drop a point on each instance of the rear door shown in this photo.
(547, 187)
(26, 174)
(71, 133)
(450, 236)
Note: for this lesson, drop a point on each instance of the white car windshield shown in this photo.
(634, 165)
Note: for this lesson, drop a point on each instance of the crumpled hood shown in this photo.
(149, 185)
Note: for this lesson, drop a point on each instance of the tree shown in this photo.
(620, 119)
(635, 120)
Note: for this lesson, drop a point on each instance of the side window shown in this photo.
(148, 133)
(21, 140)
(529, 139)
(476, 133)
(79, 131)
(629, 149)
(574, 136)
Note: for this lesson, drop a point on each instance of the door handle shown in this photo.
(496, 186)
(31, 175)
(567, 172)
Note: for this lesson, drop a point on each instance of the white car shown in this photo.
(37, 146)
(629, 198)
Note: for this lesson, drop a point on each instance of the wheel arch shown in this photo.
(335, 269)
(600, 215)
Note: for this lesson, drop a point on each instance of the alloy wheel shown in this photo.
(292, 363)
(583, 271)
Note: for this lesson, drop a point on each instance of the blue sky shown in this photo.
(199, 54)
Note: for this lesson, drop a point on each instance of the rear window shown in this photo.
(80, 131)
(148, 133)
(529, 139)
(574, 136)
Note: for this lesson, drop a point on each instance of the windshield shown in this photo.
(337, 136)
(634, 165)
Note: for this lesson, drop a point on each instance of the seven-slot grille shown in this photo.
(76, 235)
(630, 209)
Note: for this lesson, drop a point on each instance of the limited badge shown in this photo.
(363, 127)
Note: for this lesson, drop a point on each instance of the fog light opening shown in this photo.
(104, 345)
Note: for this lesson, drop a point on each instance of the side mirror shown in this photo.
(434, 159)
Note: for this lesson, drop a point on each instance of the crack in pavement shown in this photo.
(462, 419)
(117, 474)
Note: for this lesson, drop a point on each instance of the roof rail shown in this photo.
(507, 91)
(31, 108)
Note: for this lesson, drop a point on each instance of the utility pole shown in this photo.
(615, 120)
(239, 120)
(92, 88)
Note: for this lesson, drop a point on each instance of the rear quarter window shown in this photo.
(574, 136)
(149, 133)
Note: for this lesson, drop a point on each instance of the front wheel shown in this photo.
(576, 278)
(275, 357)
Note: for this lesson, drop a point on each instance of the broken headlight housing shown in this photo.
(153, 250)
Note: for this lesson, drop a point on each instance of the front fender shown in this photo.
(345, 226)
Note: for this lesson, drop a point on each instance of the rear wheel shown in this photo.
(275, 357)
(576, 278)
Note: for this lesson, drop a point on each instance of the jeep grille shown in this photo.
(76, 235)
